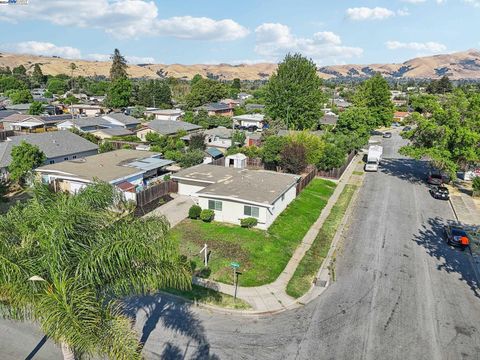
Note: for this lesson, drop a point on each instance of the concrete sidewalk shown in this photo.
(272, 297)
(465, 208)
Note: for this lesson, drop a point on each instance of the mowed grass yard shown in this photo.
(262, 254)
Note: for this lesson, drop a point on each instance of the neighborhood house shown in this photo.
(236, 194)
(166, 128)
(129, 170)
(249, 120)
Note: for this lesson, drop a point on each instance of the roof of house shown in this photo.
(256, 186)
(250, 117)
(329, 120)
(89, 121)
(6, 113)
(213, 152)
(54, 144)
(169, 127)
(220, 131)
(124, 119)
(114, 131)
(18, 107)
(166, 112)
(217, 106)
(16, 117)
(401, 113)
(110, 166)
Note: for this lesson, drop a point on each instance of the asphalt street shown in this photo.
(400, 293)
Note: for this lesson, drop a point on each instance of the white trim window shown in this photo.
(251, 211)
(215, 205)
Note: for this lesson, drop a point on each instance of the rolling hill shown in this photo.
(461, 65)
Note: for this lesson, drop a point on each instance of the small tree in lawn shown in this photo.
(238, 138)
(25, 158)
(294, 158)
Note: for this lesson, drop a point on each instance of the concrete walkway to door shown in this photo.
(175, 211)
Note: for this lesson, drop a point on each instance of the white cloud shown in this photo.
(414, 1)
(365, 13)
(475, 3)
(274, 40)
(123, 19)
(429, 46)
(45, 49)
(67, 52)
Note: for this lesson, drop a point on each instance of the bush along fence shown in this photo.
(307, 179)
(149, 199)
(337, 172)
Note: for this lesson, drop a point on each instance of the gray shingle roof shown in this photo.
(124, 119)
(168, 127)
(115, 132)
(90, 121)
(218, 106)
(54, 144)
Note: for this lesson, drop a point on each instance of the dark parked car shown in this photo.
(376, 132)
(387, 135)
(435, 178)
(440, 192)
(456, 236)
(407, 128)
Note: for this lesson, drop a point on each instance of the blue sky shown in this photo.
(212, 31)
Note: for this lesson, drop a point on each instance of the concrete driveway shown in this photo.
(175, 210)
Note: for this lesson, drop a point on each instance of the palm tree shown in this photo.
(73, 67)
(66, 260)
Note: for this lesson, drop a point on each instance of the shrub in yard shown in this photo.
(194, 212)
(476, 186)
(249, 222)
(207, 215)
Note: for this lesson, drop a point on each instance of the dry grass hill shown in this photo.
(462, 65)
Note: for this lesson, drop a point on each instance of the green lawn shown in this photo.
(308, 268)
(210, 297)
(262, 254)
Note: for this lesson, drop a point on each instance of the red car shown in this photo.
(435, 178)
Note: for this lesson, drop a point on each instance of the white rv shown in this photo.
(374, 157)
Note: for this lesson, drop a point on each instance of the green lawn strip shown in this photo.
(306, 271)
(358, 173)
(262, 254)
(210, 297)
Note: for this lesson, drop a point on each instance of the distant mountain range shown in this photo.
(461, 65)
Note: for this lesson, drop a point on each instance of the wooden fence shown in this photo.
(156, 192)
(307, 179)
(117, 145)
(4, 134)
(337, 172)
(218, 162)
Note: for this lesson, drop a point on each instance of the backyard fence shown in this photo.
(4, 134)
(148, 199)
(218, 162)
(337, 172)
(307, 179)
(117, 145)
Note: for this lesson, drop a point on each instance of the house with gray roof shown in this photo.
(167, 128)
(235, 194)
(57, 146)
(122, 120)
(109, 121)
(216, 109)
(129, 170)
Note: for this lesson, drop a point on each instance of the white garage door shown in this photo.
(189, 190)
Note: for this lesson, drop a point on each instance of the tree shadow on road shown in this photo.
(413, 171)
(175, 315)
(432, 238)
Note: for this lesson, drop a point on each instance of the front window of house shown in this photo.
(215, 205)
(251, 211)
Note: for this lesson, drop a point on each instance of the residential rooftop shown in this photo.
(169, 127)
(110, 166)
(258, 186)
(121, 117)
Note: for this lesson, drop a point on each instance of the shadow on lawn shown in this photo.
(432, 237)
(174, 315)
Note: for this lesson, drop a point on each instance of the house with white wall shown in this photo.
(235, 194)
(249, 120)
(167, 114)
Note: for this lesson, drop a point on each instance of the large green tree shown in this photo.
(204, 91)
(374, 94)
(11, 83)
(37, 75)
(119, 66)
(57, 85)
(119, 93)
(294, 94)
(66, 261)
(20, 96)
(25, 158)
(154, 93)
(36, 108)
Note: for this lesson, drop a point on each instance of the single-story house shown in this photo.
(85, 124)
(168, 114)
(219, 138)
(57, 146)
(4, 113)
(21, 108)
(129, 170)
(111, 132)
(31, 123)
(166, 128)
(122, 120)
(400, 115)
(254, 139)
(231, 102)
(212, 154)
(244, 96)
(248, 120)
(235, 194)
(216, 109)
(88, 110)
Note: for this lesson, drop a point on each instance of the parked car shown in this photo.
(456, 236)
(435, 178)
(407, 128)
(396, 124)
(387, 135)
(376, 132)
(440, 192)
